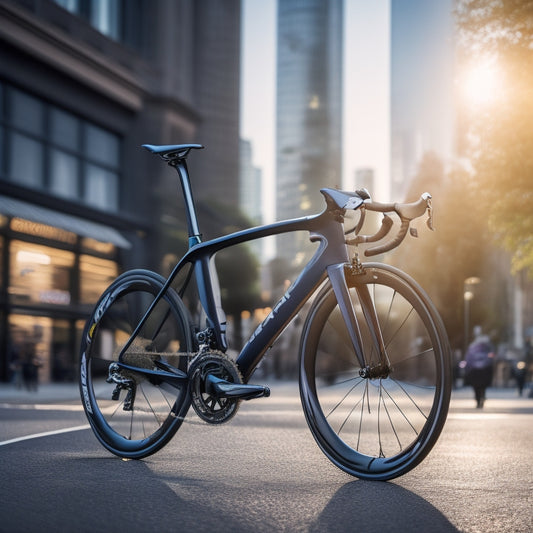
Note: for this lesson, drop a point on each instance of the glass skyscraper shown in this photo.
(309, 110)
(422, 78)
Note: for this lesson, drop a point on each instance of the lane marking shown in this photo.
(45, 434)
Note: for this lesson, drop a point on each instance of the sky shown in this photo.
(366, 136)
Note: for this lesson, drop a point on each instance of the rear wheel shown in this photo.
(376, 428)
(134, 414)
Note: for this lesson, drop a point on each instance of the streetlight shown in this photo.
(468, 295)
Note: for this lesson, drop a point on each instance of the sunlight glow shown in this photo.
(482, 83)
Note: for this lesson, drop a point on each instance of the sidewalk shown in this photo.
(69, 392)
(46, 393)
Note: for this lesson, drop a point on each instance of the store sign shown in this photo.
(42, 230)
(55, 297)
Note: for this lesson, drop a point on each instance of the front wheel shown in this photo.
(382, 427)
(134, 414)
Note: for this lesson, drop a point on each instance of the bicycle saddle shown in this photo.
(172, 152)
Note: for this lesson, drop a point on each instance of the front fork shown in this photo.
(337, 275)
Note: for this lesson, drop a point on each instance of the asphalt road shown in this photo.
(262, 472)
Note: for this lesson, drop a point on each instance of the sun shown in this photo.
(482, 83)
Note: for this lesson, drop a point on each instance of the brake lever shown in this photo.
(429, 221)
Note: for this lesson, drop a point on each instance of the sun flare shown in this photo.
(482, 83)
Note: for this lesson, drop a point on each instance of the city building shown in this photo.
(83, 84)
(365, 179)
(422, 90)
(309, 111)
(250, 200)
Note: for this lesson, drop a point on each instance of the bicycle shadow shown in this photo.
(370, 506)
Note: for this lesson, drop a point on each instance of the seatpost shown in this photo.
(192, 219)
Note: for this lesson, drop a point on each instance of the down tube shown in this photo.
(282, 313)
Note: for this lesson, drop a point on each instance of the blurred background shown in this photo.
(287, 96)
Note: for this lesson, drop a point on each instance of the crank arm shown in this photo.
(220, 388)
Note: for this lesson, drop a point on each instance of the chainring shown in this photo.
(208, 407)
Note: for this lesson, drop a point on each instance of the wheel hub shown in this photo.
(379, 371)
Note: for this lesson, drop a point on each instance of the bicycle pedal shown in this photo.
(221, 388)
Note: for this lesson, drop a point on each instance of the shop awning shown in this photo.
(79, 226)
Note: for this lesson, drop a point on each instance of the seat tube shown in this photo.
(338, 282)
(192, 218)
(209, 292)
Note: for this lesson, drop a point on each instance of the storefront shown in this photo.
(53, 269)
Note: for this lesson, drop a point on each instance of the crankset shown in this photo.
(217, 387)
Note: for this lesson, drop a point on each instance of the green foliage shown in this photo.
(500, 134)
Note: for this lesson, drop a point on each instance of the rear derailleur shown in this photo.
(122, 383)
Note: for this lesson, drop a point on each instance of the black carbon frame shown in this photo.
(329, 260)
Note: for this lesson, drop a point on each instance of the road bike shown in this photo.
(374, 359)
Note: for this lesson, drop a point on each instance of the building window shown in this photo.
(95, 276)
(55, 151)
(40, 274)
(26, 161)
(45, 342)
(103, 15)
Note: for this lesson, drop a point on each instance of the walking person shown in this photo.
(479, 365)
(30, 368)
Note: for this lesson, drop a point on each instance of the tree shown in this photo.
(458, 249)
(496, 45)
(237, 266)
(238, 272)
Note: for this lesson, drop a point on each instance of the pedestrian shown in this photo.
(30, 368)
(479, 361)
(15, 366)
(519, 373)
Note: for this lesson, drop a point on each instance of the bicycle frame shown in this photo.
(329, 260)
(373, 417)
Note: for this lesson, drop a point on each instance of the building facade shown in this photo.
(422, 91)
(83, 84)
(309, 110)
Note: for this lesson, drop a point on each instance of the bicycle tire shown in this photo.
(146, 425)
(378, 428)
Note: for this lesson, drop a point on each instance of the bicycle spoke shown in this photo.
(348, 415)
(345, 396)
(410, 398)
(390, 419)
(365, 393)
(155, 409)
(400, 410)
